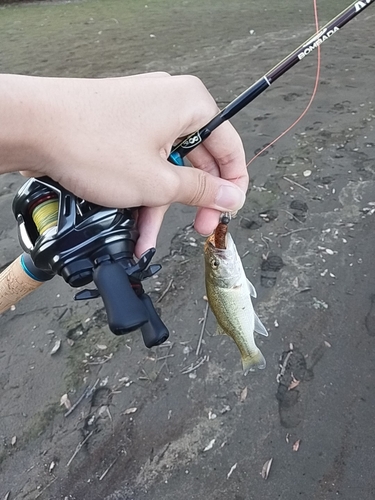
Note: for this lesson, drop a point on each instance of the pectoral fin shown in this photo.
(252, 290)
(259, 327)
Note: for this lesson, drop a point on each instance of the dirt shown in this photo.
(306, 235)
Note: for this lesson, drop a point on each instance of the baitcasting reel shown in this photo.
(84, 242)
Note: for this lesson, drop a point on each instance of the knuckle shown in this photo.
(192, 81)
(199, 92)
(200, 189)
(162, 73)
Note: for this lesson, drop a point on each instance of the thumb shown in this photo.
(200, 189)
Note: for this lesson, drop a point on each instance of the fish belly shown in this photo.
(234, 313)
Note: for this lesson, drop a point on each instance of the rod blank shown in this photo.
(193, 140)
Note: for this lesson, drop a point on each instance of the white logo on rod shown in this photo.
(317, 40)
(361, 5)
(192, 141)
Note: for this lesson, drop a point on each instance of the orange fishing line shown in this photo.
(317, 77)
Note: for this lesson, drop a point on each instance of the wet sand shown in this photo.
(306, 234)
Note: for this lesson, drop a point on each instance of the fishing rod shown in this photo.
(196, 138)
(83, 242)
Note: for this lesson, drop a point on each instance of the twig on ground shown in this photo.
(296, 183)
(79, 446)
(296, 231)
(83, 395)
(161, 368)
(165, 357)
(264, 239)
(43, 490)
(105, 360)
(108, 469)
(185, 371)
(184, 261)
(147, 377)
(202, 330)
(165, 291)
(91, 391)
(293, 216)
(86, 394)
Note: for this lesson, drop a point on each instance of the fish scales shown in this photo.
(229, 295)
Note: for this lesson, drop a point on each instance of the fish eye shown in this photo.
(214, 263)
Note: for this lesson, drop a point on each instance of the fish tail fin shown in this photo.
(253, 360)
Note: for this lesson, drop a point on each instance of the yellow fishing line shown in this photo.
(45, 215)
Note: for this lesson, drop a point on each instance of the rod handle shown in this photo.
(15, 284)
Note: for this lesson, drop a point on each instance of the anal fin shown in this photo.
(259, 327)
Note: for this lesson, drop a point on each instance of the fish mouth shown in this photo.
(210, 240)
(210, 247)
(218, 240)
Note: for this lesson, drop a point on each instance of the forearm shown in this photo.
(22, 124)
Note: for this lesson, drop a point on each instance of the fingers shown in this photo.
(200, 189)
(201, 158)
(206, 221)
(149, 222)
(27, 173)
(223, 153)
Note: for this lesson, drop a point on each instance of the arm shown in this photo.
(107, 140)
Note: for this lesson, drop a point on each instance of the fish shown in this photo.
(229, 294)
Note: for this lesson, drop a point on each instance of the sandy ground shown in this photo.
(306, 237)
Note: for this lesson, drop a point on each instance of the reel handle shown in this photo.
(125, 310)
(154, 332)
(18, 280)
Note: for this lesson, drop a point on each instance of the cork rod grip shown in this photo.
(15, 284)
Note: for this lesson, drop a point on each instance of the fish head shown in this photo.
(222, 264)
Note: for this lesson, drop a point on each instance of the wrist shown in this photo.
(22, 130)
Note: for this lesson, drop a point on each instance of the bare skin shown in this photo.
(107, 141)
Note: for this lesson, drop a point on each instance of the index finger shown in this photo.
(225, 153)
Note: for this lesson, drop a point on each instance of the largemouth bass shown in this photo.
(229, 294)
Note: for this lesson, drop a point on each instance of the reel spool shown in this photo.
(84, 242)
(44, 212)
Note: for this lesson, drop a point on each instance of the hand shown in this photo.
(108, 140)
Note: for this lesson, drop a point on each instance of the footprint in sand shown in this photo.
(293, 371)
(271, 265)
